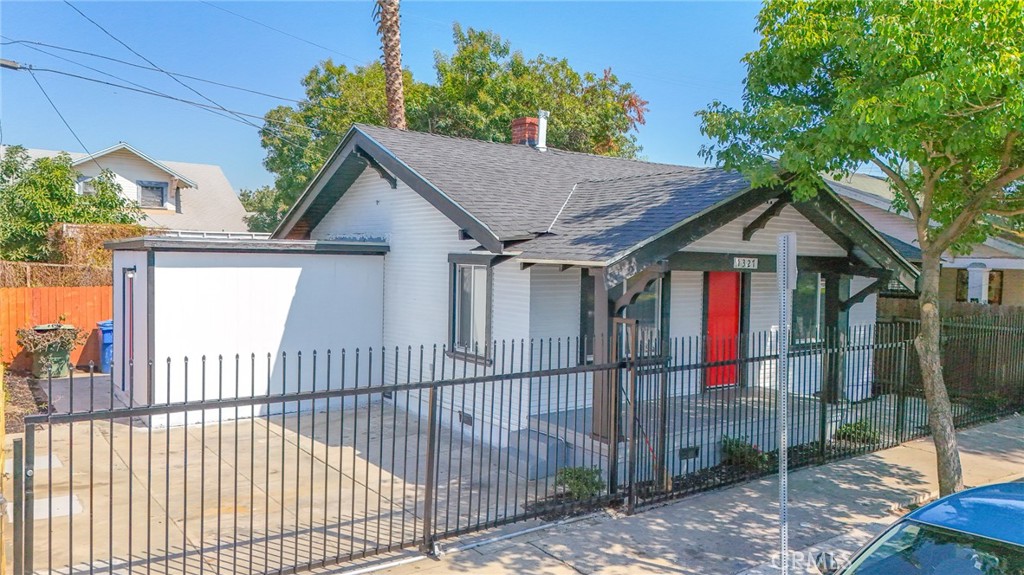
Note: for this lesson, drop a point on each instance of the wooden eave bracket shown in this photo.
(863, 294)
(384, 174)
(762, 220)
(639, 283)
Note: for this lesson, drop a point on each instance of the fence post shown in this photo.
(28, 510)
(901, 386)
(631, 415)
(431, 487)
(826, 392)
(19, 508)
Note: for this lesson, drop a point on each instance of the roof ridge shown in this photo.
(549, 149)
(680, 169)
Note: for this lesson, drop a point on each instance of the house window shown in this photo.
(84, 185)
(470, 308)
(808, 307)
(995, 286)
(152, 194)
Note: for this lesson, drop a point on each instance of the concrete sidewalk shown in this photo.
(838, 507)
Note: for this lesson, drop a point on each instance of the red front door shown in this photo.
(723, 327)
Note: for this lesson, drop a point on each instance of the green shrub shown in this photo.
(581, 482)
(859, 432)
(741, 453)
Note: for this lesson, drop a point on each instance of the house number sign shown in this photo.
(744, 263)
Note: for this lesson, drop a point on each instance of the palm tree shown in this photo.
(385, 13)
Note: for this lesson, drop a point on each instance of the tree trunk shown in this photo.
(389, 29)
(940, 414)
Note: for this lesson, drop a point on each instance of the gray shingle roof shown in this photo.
(515, 190)
(604, 218)
(911, 252)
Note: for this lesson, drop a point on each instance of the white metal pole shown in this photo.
(786, 276)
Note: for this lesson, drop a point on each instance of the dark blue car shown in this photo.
(977, 531)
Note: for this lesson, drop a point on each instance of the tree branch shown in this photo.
(1006, 213)
(1011, 138)
(901, 186)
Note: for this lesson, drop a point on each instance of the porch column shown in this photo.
(604, 381)
(837, 288)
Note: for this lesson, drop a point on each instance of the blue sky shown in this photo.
(679, 56)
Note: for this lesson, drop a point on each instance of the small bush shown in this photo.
(581, 482)
(859, 432)
(741, 453)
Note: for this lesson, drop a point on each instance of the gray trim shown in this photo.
(485, 259)
(453, 279)
(712, 262)
(150, 322)
(166, 243)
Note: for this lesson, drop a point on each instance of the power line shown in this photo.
(151, 63)
(97, 70)
(282, 32)
(30, 44)
(61, 116)
(150, 92)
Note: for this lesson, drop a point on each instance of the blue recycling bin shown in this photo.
(106, 344)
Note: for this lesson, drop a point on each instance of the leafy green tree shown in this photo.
(931, 92)
(35, 194)
(484, 85)
(480, 89)
(265, 208)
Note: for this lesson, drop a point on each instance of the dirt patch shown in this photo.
(21, 397)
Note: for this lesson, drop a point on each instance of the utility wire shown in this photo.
(61, 116)
(30, 44)
(108, 74)
(151, 63)
(235, 115)
(282, 32)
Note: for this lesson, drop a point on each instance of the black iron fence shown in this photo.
(276, 463)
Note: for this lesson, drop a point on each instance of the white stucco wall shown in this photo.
(250, 315)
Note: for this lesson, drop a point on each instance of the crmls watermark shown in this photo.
(809, 561)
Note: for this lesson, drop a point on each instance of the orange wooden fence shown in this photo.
(80, 306)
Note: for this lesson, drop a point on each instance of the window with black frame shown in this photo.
(470, 308)
(808, 308)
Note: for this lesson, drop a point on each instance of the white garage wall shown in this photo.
(223, 304)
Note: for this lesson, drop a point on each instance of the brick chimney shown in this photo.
(525, 131)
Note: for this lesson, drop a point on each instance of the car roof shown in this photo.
(993, 511)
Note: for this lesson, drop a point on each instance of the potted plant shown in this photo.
(50, 345)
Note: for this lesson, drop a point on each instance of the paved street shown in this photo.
(732, 531)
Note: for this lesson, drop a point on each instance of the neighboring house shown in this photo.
(992, 273)
(173, 195)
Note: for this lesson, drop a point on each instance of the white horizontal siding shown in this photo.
(554, 331)
(811, 241)
(417, 290)
(686, 325)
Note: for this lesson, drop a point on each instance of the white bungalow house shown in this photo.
(408, 239)
(172, 195)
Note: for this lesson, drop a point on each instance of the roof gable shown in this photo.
(128, 148)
